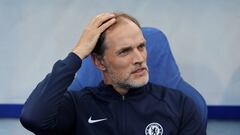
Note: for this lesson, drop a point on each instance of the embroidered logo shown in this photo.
(90, 120)
(154, 129)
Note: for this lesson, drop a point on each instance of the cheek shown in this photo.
(144, 54)
(121, 66)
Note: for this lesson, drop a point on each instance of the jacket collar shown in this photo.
(108, 92)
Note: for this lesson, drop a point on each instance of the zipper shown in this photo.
(123, 116)
(123, 98)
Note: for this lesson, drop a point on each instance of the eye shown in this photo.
(124, 52)
(141, 46)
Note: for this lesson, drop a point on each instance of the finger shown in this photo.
(107, 24)
(93, 20)
(100, 19)
(102, 14)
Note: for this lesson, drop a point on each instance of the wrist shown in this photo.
(81, 54)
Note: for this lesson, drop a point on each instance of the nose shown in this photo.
(139, 57)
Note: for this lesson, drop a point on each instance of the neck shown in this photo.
(120, 90)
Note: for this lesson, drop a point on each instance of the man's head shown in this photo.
(100, 46)
(121, 54)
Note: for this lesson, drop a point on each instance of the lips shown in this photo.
(139, 70)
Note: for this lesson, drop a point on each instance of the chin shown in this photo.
(134, 82)
(139, 82)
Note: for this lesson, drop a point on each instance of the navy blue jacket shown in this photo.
(149, 110)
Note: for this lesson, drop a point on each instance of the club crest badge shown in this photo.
(154, 129)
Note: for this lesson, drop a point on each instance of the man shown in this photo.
(124, 103)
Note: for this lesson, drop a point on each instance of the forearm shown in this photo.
(41, 108)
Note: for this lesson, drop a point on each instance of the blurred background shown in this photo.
(204, 36)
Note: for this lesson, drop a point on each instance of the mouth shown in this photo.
(139, 71)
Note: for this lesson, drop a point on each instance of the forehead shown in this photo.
(124, 33)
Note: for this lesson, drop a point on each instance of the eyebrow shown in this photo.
(143, 42)
(124, 49)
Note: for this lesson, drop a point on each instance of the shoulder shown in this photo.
(173, 98)
(80, 95)
(164, 93)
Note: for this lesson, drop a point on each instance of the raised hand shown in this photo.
(91, 34)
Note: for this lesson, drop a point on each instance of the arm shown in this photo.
(41, 108)
(191, 123)
(50, 108)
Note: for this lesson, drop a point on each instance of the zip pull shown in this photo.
(123, 98)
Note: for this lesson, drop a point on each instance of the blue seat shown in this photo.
(163, 70)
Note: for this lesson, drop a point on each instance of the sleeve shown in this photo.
(191, 123)
(50, 107)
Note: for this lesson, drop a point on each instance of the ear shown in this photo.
(98, 61)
